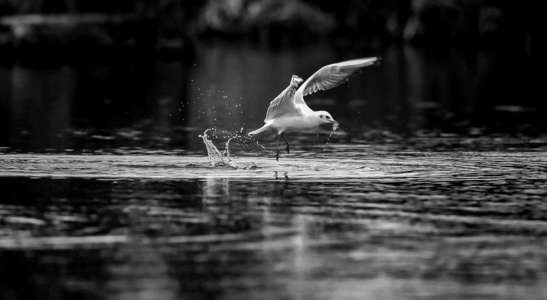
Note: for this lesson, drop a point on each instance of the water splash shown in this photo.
(223, 158)
(227, 146)
(216, 157)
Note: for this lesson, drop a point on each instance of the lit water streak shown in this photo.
(336, 163)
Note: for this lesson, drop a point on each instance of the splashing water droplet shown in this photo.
(216, 157)
(223, 158)
(227, 147)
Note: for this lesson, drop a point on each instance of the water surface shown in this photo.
(346, 223)
(426, 192)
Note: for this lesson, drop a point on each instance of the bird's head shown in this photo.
(325, 118)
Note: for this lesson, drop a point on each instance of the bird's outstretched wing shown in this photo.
(283, 104)
(333, 75)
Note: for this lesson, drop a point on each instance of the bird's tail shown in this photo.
(259, 130)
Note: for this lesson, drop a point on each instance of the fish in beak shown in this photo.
(335, 125)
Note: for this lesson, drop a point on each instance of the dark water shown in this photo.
(160, 104)
(107, 192)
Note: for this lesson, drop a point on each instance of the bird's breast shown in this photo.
(294, 123)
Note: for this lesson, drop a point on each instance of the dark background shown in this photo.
(88, 75)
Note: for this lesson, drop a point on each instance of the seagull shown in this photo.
(289, 112)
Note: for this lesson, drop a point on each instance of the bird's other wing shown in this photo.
(283, 104)
(333, 75)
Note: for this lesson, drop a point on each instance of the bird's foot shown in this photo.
(288, 149)
(277, 155)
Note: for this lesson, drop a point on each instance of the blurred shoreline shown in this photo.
(72, 29)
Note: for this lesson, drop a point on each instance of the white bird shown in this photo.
(289, 112)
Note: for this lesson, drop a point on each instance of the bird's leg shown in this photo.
(286, 142)
(277, 149)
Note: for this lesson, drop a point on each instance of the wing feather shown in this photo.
(284, 104)
(333, 75)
